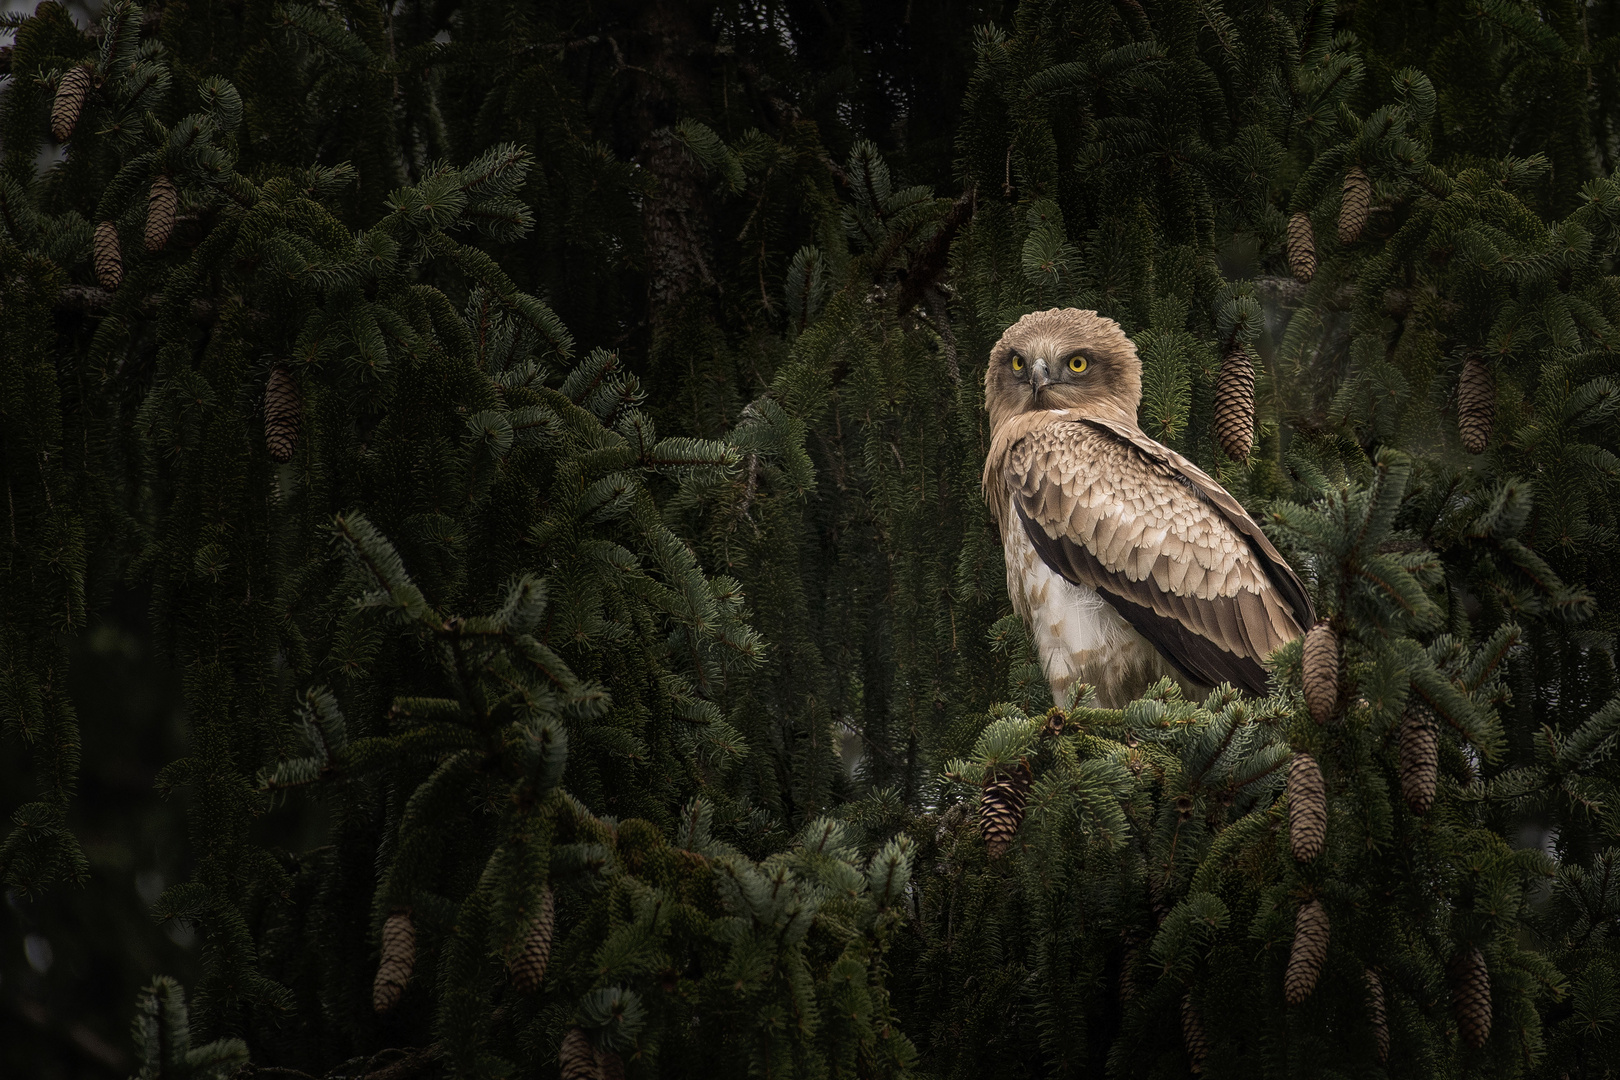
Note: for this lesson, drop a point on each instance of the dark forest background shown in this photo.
(783, 236)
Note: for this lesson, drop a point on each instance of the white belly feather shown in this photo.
(1078, 634)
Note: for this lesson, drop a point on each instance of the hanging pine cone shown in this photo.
(1192, 1034)
(1354, 204)
(1420, 759)
(529, 965)
(162, 203)
(1310, 949)
(1321, 669)
(70, 95)
(283, 405)
(1001, 808)
(1234, 405)
(1301, 247)
(398, 958)
(1307, 808)
(1471, 996)
(105, 258)
(578, 1057)
(1377, 1015)
(1127, 974)
(1476, 404)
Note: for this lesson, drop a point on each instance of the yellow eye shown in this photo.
(1077, 364)
(1018, 362)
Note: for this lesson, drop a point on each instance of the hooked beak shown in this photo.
(1039, 376)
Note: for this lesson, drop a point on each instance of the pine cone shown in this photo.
(1471, 996)
(1307, 808)
(1378, 1015)
(1321, 664)
(398, 958)
(578, 1057)
(529, 966)
(1310, 949)
(70, 95)
(1234, 405)
(162, 203)
(1127, 974)
(283, 406)
(612, 1066)
(105, 258)
(1001, 808)
(1420, 759)
(1192, 1034)
(1354, 204)
(1476, 404)
(1301, 247)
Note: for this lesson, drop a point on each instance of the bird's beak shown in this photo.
(1039, 376)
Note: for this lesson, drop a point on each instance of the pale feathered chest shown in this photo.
(1078, 635)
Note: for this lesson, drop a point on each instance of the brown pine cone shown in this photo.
(1321, 671)
(1420, 759)
(1001, 808)
(1377, 1015)
(105, 257)
(1354, 204)
(1471, 996)
(283, 407)
(1476, 404)
(162, 204)
(1127, 974)
(1310, 949)
(1307, 808)
(398, 959)
(1301, 247)
(578, 1057)
(70, 95)
(528, 967)
(1234, 405)
(1192, 1034)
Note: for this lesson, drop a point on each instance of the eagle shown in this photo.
(1125, 560)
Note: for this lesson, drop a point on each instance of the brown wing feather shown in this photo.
(1276, 567)
(1176, 556)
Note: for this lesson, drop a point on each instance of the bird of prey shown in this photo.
(1125, 560)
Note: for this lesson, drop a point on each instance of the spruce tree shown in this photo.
(547, 440)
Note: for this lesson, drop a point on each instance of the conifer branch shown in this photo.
(94, 300)
(929, 262)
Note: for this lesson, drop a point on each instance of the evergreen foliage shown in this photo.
(163, 1039)
(549, 435)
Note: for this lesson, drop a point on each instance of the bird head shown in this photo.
(1064, 358)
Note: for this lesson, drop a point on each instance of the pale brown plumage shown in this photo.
(1125, 560)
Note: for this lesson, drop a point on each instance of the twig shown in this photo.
(414, 1062)
(947, 338)
(1287, 292)
(94, 300)
(929, 262)
(618, 58)
(151, 15)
